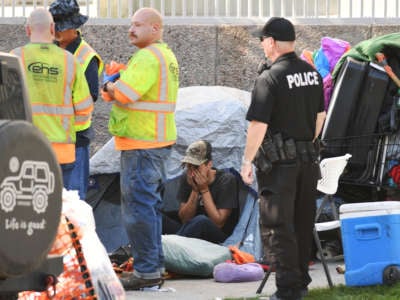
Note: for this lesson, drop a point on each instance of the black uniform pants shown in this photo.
(287, 212)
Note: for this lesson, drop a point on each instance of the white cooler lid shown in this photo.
(363, 209)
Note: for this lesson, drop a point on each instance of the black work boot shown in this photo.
(132, 282)
(286, 295)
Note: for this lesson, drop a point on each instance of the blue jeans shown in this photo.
(142, 172)
(201, 227)
(80, 173)
(66, 170)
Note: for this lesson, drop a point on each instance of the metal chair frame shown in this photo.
(331, 170)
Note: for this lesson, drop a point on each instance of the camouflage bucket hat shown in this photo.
(66, 15)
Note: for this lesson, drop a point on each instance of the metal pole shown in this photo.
(294, 13)
(162, 8)
(351, 8)
(327, 8)
(283, 8)
(183, 8)
(173, 8)
(385, 8)
(271, 8)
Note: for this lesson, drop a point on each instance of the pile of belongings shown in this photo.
(324, 61)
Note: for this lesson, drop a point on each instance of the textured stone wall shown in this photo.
(208, 54)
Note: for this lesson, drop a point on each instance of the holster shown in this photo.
(283, 150)
(308, 151)
(274, 149)
(270, 150)
(261, 161)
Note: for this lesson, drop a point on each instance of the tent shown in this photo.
(213, 113)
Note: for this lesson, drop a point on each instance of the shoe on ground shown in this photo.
(304, 292)
(134, 283)
(276, 297)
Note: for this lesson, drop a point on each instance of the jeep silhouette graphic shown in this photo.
(32, 186)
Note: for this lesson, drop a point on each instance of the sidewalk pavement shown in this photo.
(208, 289)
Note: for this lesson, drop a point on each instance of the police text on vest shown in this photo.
(302, 79)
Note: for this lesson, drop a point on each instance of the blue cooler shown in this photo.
(371, 242)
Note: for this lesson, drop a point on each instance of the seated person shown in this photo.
(208, 198)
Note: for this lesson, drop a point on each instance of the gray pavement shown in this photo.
(208, 289)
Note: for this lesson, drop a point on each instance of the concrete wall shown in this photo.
(208, 54)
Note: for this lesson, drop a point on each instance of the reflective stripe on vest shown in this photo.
(149, 106)
(161, 106)
(84, 54)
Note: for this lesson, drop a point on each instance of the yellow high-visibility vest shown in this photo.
(84, 53)
(58, 93)
(148, 89)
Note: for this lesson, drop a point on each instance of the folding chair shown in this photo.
(331, 170)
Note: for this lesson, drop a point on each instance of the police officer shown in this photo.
(287, 105)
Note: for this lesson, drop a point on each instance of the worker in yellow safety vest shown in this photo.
(68, 20)
(142, 120)
(57, 89)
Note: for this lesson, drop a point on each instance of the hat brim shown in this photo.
(192, 161)
(74, 22)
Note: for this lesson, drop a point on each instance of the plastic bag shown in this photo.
(241, 257)
(231, 272)
(104, 279)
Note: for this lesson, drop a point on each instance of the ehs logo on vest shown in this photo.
(302, 79)
(44, 71)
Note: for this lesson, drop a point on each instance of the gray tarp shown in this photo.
(214, 113)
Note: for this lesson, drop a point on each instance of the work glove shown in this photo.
(112, 71)
(112, 77)
(105, 96)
